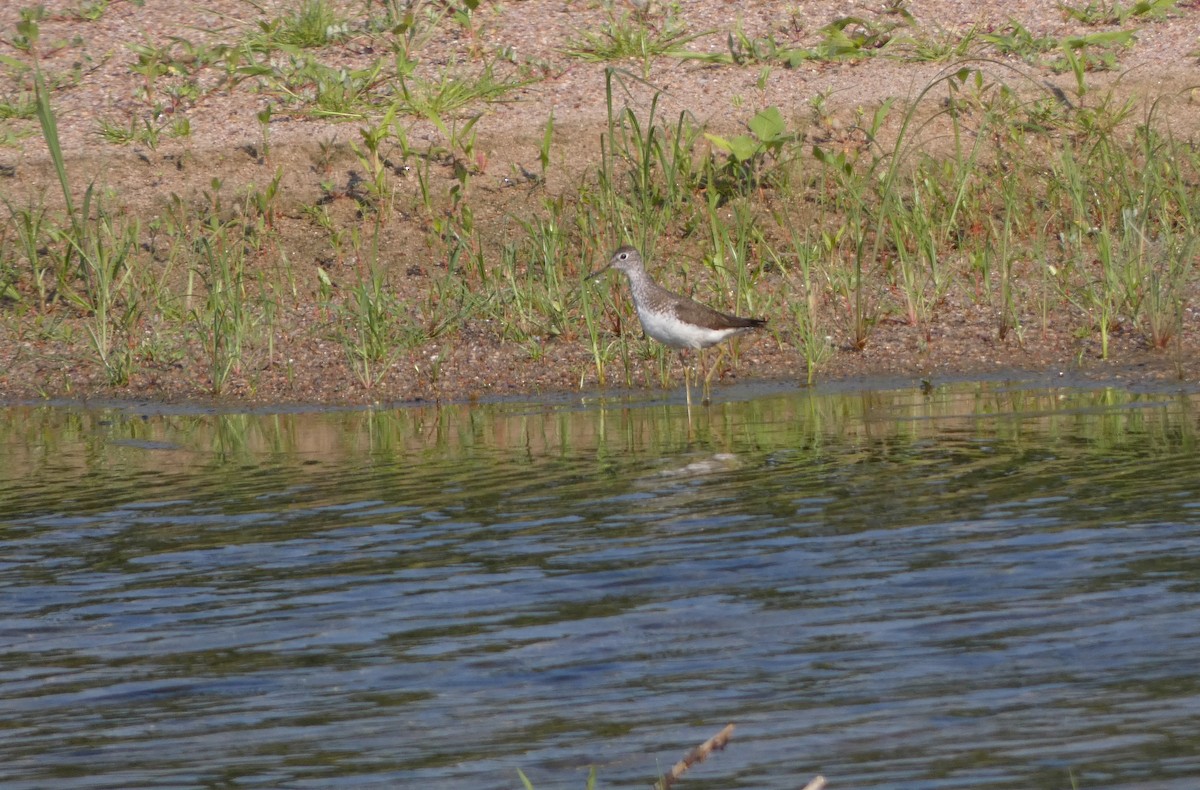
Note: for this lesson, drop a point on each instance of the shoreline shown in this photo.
(1133, 378)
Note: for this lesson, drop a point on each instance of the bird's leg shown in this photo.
(714, 369)
(687, 390)
(716, 366)
(704, 372)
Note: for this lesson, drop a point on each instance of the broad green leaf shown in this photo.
(744, 147)
(768, 125)
(719, 142)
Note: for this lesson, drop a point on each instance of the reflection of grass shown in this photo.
(1106, 419)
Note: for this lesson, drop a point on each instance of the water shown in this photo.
(986, 585)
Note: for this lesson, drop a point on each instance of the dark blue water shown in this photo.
(986, 586)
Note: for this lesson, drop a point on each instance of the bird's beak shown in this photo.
(598, 272)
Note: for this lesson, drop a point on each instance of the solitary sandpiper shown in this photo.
(672, 319)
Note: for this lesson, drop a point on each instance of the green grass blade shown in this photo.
(45, 114)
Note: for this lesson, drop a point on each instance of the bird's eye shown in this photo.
(624, 256)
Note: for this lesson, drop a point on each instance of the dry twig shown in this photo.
(697, 755)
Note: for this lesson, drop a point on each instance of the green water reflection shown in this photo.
(109, 448)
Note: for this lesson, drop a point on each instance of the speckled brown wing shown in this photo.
(700, 315)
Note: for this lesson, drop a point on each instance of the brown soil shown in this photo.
(46, 354)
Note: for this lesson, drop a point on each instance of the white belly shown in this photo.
(669, 330)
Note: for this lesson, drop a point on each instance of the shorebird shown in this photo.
(675, 320)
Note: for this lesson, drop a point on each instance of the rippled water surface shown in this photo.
(983, 585)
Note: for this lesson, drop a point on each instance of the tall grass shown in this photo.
(96, 247)
(1041, 206)
(227, 316)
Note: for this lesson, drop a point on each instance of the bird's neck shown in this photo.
(639, 285)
